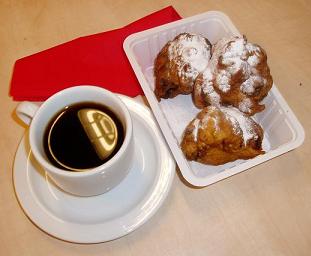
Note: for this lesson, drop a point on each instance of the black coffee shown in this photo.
(67, 140)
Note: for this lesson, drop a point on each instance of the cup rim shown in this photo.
(99, 169)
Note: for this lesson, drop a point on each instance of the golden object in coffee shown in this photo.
(100, 129)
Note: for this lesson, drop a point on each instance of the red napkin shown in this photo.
(93, 60)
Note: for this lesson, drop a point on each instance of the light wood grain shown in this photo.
(263, 211)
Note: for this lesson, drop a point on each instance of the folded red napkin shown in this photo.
(93, 60)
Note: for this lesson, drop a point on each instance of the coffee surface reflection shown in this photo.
(83, 136)
(100, 129)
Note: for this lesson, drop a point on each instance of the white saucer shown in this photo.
(107, 216)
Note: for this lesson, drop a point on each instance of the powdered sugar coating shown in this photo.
(190, 53)
(236, 54)
(245, 105)
(208, 88)
(240, 123)
(179, 63)
(233, 56)
(253, 60)
(222, 79)
(208, 119)
(237, 70)
(196, 124)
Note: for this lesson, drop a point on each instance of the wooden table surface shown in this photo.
(263, 211)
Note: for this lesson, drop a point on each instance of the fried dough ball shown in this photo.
(179, 63)
(237, 75)
(219, 135)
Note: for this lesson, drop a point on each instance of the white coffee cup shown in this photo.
(93, 181)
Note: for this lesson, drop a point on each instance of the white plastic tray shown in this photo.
(283, 132)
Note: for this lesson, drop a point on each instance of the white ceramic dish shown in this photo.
(283, 131)
(108, 216)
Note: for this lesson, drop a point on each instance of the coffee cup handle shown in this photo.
(26, 111)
